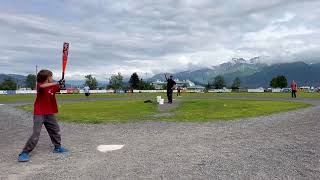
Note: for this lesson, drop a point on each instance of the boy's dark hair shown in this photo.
(43, 75)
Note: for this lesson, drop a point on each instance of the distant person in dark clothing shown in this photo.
(170, 87)
(294, 88)
(179, 91)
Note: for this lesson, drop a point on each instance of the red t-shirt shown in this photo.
(46, 103)
(294, 86)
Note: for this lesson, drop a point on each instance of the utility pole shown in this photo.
(36, 76)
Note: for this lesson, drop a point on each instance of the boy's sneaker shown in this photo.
(23, 157)
(60, 150)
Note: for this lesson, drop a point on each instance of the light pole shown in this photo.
(36, 76)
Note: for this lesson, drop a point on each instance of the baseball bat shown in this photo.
(64, 58)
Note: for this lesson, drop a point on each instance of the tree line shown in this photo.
(117, 82)
(219, 82)
(11, 84)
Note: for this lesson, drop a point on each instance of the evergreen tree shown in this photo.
(219, 82)
(134, 81)
(236, 83)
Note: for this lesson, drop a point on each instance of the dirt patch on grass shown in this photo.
(166, 110)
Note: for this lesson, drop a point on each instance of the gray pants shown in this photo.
(52, 127)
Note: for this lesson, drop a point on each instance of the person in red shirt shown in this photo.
(294, 88)
(45, 108)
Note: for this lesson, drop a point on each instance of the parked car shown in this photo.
(72, 91)
(268, 90)
(119, 91)
(286, 90)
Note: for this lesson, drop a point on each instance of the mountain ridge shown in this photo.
(252, 73)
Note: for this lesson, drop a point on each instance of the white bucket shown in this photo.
(158, 99)
(161, 101)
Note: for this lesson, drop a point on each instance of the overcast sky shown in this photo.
(108, 36)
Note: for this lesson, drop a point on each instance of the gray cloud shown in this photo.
(147, 36)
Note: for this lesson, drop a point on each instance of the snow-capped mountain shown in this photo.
(238, 67)
(253, 73)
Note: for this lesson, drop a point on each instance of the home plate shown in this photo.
(107, 148)
(1, 104)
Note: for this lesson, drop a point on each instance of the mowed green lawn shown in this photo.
(66, 97)
(122, 111)
(103, 111)
(266, 95)
(62, 97)
(223, 109)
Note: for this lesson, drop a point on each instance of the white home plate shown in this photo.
(107, 148)
(1, 104)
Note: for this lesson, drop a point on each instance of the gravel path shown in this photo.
(280, 146)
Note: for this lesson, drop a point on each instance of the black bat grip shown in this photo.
(63, 86)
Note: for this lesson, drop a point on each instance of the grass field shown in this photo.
(103, 111)
(208, 110)
(30, 98)
(122, 111)
(61, 97)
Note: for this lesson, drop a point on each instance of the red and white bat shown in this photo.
(64, 57)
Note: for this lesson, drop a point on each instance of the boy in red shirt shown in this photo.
(45, 106)
(294, 88)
